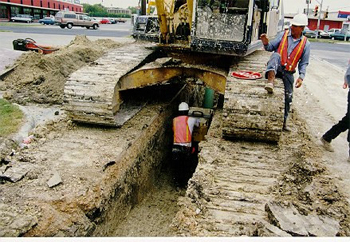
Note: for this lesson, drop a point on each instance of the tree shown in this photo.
(134, 10)
(96, 10)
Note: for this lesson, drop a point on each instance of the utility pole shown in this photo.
(319, 18)
(143, 7)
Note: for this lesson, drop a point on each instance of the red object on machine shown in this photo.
(44, 49)
(248, 75)
(30, 44)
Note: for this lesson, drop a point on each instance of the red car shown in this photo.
(105, 21)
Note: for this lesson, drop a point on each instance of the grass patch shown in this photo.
(17, 24)
(11, 118)
(322, 40)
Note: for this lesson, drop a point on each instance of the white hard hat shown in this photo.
(299, 20)
(183, 106)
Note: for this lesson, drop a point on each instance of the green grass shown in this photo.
(322, 40)
(11, 118)
(18, 24)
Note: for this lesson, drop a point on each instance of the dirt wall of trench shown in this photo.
(144, 161)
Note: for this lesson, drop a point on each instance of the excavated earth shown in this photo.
(82, 180)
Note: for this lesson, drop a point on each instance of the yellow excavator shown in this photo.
(210, 40)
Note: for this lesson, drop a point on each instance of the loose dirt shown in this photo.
(304, 175)
(40, 78)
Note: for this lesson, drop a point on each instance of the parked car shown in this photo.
(309, 33)
(47, 21)
(113, 21)
(323, 34)
(105, 21)
(332, 31)
(22, 18)
(69, 19)
(120, 20)
(339, 35)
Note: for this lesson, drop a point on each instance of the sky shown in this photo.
(290, 6)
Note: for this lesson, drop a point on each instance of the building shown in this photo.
(36, 8)
(119, 11)
(328, 20)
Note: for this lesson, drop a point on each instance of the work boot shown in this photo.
(286, 128)
(270, 81)
(327, 145)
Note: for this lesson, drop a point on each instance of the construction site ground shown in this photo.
(109, 181)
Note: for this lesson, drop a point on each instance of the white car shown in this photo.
(22, 18)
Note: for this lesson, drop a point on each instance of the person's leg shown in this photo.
(336, 129)
(348, 115)
(273, 65)
(288, 81)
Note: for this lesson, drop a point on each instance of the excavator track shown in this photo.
(249, 112)
(230, 187)
(90, 93)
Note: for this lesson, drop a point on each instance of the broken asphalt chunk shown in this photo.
(291, 221)
(54, 180)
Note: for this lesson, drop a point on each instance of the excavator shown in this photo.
(215, 41)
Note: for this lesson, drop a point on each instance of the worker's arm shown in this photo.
(273, 44)
(303, 63)
(347, 77)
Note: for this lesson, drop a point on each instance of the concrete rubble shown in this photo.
(291, 221)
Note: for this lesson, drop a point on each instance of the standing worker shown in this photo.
(343, 124)
(290, 48)
(182, 145)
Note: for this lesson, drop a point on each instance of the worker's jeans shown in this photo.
(341, 126)
(274, 64)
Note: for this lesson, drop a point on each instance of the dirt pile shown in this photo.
(308, 184)
(40, 78)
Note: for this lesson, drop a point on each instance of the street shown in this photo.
(105, 30)
(54, 35)
(337, 54)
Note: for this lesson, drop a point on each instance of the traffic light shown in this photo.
(316, 10)
(326, 14)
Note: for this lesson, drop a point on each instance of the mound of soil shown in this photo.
(40, 78)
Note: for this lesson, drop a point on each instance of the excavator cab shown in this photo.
(225, 27)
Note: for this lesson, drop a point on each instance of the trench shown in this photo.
(144, 200)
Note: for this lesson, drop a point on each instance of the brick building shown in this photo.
(37, 8)
(119, 11)
(328, 20)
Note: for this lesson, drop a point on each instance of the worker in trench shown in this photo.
(291, 49)
(184, 151)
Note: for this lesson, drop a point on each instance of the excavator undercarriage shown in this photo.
(205, 40)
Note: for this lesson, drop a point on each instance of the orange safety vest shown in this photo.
(181, 130)
(290, 62)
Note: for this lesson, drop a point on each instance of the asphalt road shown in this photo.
(105, 30)
(337, 54)
(53, 36)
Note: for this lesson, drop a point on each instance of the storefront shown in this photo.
(36, 8)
